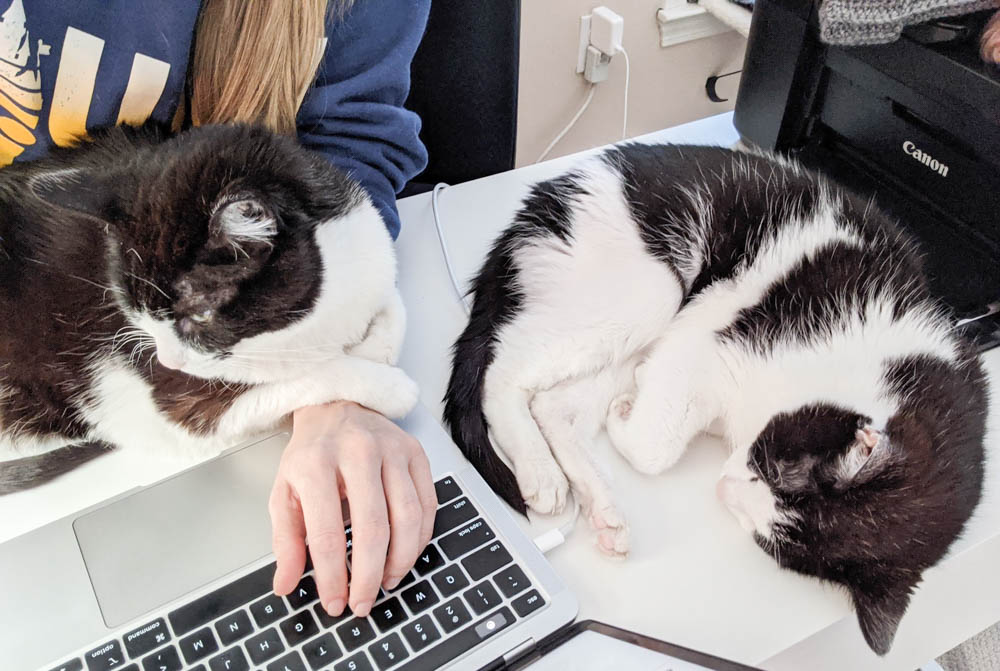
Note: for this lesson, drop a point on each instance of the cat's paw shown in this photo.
(398, 395)
(612, 531)
(621, 408)
(543, 486)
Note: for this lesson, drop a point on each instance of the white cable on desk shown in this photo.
(572, 122)
(438, 188)
(553, 538)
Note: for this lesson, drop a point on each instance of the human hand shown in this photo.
(345, 451)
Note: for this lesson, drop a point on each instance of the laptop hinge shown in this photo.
(518, 651)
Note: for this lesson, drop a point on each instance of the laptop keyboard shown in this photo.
(465, 588)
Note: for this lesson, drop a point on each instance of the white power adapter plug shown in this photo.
(606, 30)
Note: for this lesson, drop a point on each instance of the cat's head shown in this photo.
(830, 493)
(222, 238)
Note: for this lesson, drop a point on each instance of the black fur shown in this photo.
(130, 220)
(705, 213)
(545, 212)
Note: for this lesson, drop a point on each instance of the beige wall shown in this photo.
(667, 85)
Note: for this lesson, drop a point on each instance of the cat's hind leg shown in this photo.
(570, 415)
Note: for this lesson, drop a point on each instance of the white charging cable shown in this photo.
(624, 53)
(572, 122)
(553, 538)
(436, 211)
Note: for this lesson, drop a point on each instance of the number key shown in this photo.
(421, 633)
(482, 597)
(388, 651)
(452, 615)
(356, 663)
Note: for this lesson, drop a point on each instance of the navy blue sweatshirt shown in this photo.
(66, 67)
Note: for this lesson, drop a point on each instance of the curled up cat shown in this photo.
(179, 294)
(662, 291)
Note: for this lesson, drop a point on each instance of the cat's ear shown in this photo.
(879, 613)
(866, 456)
(244, 219)
(76, 190)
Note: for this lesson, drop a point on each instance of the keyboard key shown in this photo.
(429, 560)
(304, 593)
(146, 638)
(463, 641)
(324, 618)
(131, 667)
(233, 627)
(450, 580)
(451, 515)
(466, 538)
(230, 660)
(349, 538)
(71, 665)
(299, 627)
(108, 656)
(321, 651)
(200, 667)
(482, 597)
(482, 563)
(215, 604)
(420, 597)
(512, 581)
(388, 614)
(358, 662)
(389, 651)
(452, 615)
(529, 603)
(163, 660)
(268, 610)
(264, 646)
(421, 633)
(355, 632)
(198, 645)
(290, 662)
(447, 489)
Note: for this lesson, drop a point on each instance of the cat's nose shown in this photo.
(173, 360)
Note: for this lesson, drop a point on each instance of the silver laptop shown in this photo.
(177, 575)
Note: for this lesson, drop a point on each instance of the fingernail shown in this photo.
(335, 607)
(390, 583)
(361, 610)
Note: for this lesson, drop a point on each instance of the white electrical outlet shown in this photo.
(581, 53)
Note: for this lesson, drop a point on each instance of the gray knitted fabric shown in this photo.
(979, 653)
(853, 22)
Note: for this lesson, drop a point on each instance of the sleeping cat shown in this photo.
(662, 291)
(180, 294)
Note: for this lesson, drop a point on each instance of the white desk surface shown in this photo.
(694, 577)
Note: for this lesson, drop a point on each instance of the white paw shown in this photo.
(399, 397)
(621, 407)
(612, 531)
(543, 486)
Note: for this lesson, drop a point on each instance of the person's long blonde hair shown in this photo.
(254, 60)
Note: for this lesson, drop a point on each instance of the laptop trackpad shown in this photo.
(178, 535)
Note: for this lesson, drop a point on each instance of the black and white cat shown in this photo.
(663, 291)
(180, 294)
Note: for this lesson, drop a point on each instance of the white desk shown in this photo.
(694, 577)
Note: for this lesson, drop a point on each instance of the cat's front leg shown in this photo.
(385, 334)
(383, 388)
(677, 395)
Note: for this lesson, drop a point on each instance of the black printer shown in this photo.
(916, 123)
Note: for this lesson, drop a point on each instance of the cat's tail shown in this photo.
(18, 475)
(472, 355)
